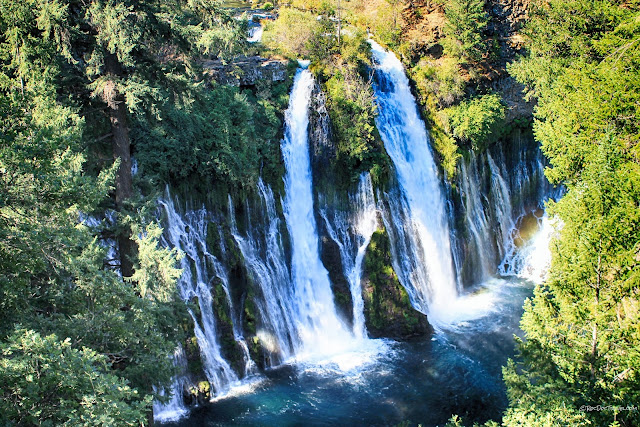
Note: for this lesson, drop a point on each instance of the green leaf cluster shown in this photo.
(218, 136)
(466, 20)
(41, 385)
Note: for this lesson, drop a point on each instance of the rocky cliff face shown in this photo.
(246, 71)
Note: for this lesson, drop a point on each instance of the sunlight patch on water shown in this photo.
(348, 359)
(240, 388)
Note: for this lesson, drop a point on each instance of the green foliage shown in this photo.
(267, 5)
(41, 385)
(221, 136)
(477, 121)
(442, 81)
(466, 20)
(291, 34)
(352, 112)
(54, 281)
(351, 105)
(156, 274)
(582, 327)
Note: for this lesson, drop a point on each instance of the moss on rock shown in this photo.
(387, 309)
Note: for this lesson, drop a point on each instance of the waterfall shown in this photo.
(264, 257)
(189, 235)
(317, 323)
(352, 233)
(419, 219)
(236, 321)
(502, 204)
(477, 219)
(174, 409)
(530, 260)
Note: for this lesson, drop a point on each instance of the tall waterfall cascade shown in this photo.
(317, 321)
(420, 231)
(263, 252)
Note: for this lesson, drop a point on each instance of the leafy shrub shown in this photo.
(443, 80)
(220, 135)
(47, 382)
(267, 5)
(466, 20)
(291, 32)
(476, 121)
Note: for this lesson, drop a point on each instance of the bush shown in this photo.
(466, 20)
(267, 5)
(442, 81)
(291, 33)
(476, 121)
(219, 135)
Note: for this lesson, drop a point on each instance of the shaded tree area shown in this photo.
(84, 335)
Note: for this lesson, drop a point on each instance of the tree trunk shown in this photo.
(121, 146)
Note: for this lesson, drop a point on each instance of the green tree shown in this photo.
(71, 75)
(41, 385)
(466, 20)
(582, 326)
(477, 121)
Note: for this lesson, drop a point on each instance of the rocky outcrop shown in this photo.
(322, 150)
(387, 309)
(321, 143)
(246, 70)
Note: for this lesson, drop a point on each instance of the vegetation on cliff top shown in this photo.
(340, 60)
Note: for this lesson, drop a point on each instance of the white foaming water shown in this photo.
(255, 33)
(352, 233)
(174, 409)
(322, 335)
(421, 232)
(533, 259)
(264, 256)
(189, 235)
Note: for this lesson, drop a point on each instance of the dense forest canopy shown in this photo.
(581, 327)
(89, 310)
(82, 86)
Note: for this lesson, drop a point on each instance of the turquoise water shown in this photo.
(456, 371)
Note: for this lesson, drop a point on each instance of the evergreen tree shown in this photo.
(72, 75)
(582, 326)
(466, 20)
